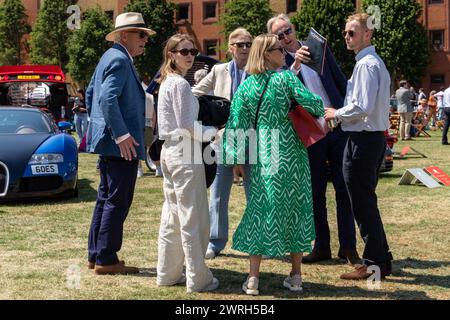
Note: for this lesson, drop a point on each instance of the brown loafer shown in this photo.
(117, 268)
(91, 265)
(360, 273)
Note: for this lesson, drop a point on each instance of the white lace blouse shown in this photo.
(178, 111)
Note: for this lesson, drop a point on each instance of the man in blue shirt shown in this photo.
(365, 116)
(331, 87)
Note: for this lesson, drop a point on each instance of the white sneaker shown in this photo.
(213, 285)
(140, 173)
(158, 172)
(210, 254)
(250, 286)
(293, 283)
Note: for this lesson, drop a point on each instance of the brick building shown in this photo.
(199, 18)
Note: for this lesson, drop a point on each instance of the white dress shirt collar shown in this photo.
(364, 52)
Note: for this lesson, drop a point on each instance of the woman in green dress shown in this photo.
(278, 218)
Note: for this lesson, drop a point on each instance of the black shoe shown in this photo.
(350, 255)
(317, 255)
(445, 143)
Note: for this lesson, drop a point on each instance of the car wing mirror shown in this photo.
(64, 125)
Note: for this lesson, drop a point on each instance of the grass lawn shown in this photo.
(40, 243)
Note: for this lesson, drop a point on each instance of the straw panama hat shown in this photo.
(129, 21)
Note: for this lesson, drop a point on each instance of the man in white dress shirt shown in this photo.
(365, 116)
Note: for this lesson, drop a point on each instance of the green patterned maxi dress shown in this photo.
(278, 218)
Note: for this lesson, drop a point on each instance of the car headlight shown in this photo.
(46, 158)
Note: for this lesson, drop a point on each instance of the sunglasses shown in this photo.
(185, 52)
(284, 33)
(279, 48)
(350, 33)
(241, 45)
(142, 34)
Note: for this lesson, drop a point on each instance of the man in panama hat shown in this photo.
(115, 102)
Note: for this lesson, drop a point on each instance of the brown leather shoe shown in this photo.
(91, 265)
(360, 273)
(117, 268)
(350, 255)
(317, 255)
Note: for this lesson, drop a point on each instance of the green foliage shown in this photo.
(328, 17)
(48, 40)
(402, 41)
(13, 26)
(87, 45)
(158, 15)
(249, 14)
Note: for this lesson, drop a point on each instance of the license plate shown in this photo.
(45, 169)
(28, 77)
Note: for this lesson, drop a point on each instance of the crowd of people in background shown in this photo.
(286, 210)
(430, 112)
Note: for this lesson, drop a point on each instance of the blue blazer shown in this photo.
(115, 102)
(333, 80)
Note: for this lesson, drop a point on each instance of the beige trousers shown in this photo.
(184, 230)
(405, 124)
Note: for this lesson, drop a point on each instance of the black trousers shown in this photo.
(363, 156)
(114, 198)
(331, 148)
(446, 126)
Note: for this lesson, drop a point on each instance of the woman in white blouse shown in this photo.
(184, 230)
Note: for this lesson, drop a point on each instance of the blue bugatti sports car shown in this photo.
(37, 159)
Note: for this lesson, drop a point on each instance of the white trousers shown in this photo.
(184, 230)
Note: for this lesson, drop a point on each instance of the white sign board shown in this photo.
(412, 176)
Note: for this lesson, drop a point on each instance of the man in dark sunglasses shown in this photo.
(365, 116)
(115, 102)
(331, 87)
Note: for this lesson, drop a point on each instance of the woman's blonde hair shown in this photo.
(257, 61)
(168, 65)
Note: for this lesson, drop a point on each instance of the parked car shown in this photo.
(388, 160)
(37, 158)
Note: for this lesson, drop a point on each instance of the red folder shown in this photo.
(309, 129)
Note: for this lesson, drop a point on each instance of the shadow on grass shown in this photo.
(409, 278)
(271, 286)
(86, 194)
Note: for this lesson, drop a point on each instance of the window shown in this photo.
(435, 1)
(291, 6)
(437, 39)
(110, 15)
(183, 12)
(437, 79)
(211, 47)
(209, 10)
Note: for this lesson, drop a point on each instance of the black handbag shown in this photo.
(213, 111)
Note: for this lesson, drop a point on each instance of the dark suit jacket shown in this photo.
(333, 80)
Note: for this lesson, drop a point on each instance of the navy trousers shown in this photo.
(114, 198)
(331, 148)
(363, 156)
(446, 126)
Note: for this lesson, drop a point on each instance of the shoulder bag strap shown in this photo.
(260, 102)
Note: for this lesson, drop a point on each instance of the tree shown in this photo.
(158, 15)
(13, 26)
(87, 45)
(402, 41)
(328, 17)
(48, 40)
(249, 14)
